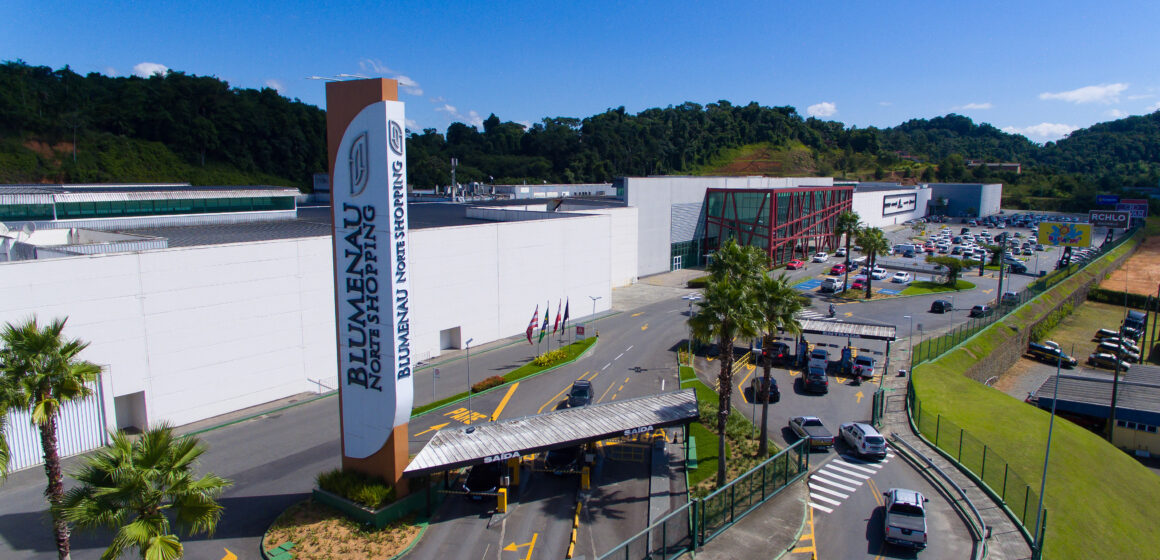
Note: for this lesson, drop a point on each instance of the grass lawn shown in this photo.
(571, 351)
(1076, 330)
(925, 287)
(1101, 502)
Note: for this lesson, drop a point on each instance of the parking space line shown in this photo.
(820, 488)
(831, 482)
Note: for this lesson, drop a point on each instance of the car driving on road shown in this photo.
(763, 393)
(900, 277)
(864, 366)
(863, 439)
(795, 265)
(820, 256)
(811, 428)
(904, 523)
(581, 393)
(819, 358)
(815, 380)
(482, 479)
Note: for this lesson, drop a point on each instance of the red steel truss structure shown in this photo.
(788, 223)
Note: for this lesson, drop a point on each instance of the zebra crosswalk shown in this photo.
(835, 481)
(811, 314)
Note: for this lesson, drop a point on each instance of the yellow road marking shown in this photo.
(463, 415)
(644, 327)
(613, 398)
(637, 314)
(605, 394)
(849, 313)
(229, 555)
(813, 548)
(877, 493)
(625, 380)
(619, 389)
(858, 396)
(503, 403)
(530, 544)
(436, 427)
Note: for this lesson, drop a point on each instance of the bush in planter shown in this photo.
(493, 381)
(368, 491)
(549, 358)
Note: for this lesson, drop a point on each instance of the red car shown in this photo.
(858, 285)
(795, 265)
(838, 269)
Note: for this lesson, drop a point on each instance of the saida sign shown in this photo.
(1065, 234)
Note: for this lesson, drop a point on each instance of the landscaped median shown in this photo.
(1101, 502)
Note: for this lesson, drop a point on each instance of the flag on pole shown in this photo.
(544, 327)
(532, 325)
(556, 325)
(565, 325)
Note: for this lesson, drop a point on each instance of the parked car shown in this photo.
(841, 252)
(1107, 333)
(901, 278)
(941, 306)
(819, 358)
(863, 439)
(1100, 359)
(904, 522)
(820, 256)
(1126, 342)
(838, 269)
(815, 380)
(795, 265)
(981, 311)
(811, 428)
(1050, 355)
(858, 284)
(763, 393)
(1009, 298)
(778, 352)
(879, 273)
(482, 479)
(581, 393)
(831, 284)
(864, 366)
(1112, 348)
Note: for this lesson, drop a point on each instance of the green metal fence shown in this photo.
(982, 461)
(697, 522)
(931, 348)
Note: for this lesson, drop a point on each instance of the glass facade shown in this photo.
(788, 224)
(136, 208)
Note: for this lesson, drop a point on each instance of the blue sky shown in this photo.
(1040, 68)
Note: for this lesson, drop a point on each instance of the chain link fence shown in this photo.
(697, 522)
(932, 347)
(982, 461)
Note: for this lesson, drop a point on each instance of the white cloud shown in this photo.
(146, 69)
(1103, 93)
(412, 124)
(407, 84)
(474, 119)
(448, 109)
(885, 103)
(973, 107)
(1042, 132)
(1140, 96)
(275, 85)
(110, 71)
(823, 109)
(1116, 114)
(437, 99)
(1153, 107)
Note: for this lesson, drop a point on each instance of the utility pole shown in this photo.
(454, 185)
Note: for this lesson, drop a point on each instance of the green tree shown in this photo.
(779, 304)
(848, 224)
(135, 484)
(874, 243)
(953, 266)
(728, 310)
(41, 372)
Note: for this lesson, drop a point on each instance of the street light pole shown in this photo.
(910, 341)
(1047, 455)
(592, 322)
(469, 412)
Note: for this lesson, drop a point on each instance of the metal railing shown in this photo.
(977, 525)
(698, 521)
(932, 347)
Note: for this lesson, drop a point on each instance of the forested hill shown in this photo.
(59, 126)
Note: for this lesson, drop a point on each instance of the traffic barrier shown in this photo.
(501, 504)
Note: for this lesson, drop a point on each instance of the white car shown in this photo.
(863, 439)
(820, 256)
(878, 273)
(840, 252)
(900, 278)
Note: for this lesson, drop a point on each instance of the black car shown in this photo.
(816, 381)
(483, 479)
(564, 460)
(981, 311)
(941, 306)
(769, 394)
(778, 352)
(581, 393)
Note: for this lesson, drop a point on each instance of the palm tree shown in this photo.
(135, 485)
(873, 243)
(849, 223)
(41, 372)
(728, 310)
(779, 304)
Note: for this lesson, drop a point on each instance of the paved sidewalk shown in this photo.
(1006, 541)
(771, 530)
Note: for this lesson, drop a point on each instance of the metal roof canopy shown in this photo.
(846, 329)
(1092, 396)
(460, 447)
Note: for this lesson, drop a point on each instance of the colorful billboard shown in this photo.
(1065, 234)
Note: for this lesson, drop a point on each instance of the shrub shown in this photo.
(368, 491)
(1040, 330)
(698, 283)
(493, 381)
(1114, 297)
(548, 358)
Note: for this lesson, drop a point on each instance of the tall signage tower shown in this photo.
(366, 143)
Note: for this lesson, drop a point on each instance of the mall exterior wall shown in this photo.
(872, 205)
(204, 331)
(655, 197)
(962, 197)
